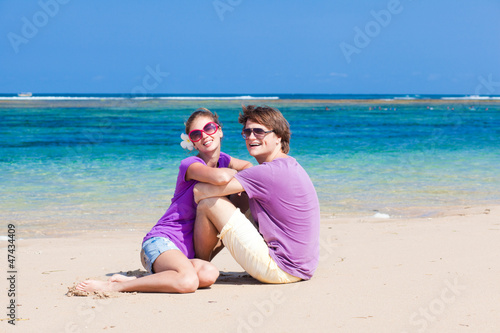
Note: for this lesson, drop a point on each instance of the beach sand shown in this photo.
(437, 274)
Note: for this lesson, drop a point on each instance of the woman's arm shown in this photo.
(216, 176)
(205, 174)
(203, 191)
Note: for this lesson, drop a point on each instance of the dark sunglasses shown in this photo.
(258, 132)
(209, 129)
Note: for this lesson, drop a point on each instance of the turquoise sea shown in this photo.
(83, 162)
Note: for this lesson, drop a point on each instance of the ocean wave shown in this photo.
(225, 97)
(470, 97)
(59, 98)
(406, 97)
(117, 97)
(56, 98)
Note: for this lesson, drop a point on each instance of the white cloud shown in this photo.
(433, 77)
(338, 74)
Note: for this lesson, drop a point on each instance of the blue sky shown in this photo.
(257, 46)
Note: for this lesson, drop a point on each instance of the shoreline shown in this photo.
(110, 224)
(435, 274)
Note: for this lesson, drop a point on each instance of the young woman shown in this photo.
(168, 250)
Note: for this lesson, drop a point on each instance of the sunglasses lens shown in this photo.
(195, 135)
(258, 131)
(210, 128)
(247, 132)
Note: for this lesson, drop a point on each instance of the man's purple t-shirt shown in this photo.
(177, 223)
(285, 205)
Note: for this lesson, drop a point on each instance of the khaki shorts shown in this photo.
(250, 250)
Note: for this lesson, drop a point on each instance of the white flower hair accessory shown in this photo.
(186, 143)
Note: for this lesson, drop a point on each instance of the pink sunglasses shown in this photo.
(209, 129)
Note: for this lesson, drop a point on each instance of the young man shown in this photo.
(283, 203)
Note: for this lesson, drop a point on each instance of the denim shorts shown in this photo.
(152, 248)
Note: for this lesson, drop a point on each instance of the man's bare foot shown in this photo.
(121, 278)
(94, 285)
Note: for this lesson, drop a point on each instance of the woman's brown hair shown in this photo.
(205, 113)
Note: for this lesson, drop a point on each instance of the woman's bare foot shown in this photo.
(94, 285)
(121, 278)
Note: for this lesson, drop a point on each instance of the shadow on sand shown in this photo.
(236, 278)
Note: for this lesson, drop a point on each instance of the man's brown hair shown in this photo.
(272, 119)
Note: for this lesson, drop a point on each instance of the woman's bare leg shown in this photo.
(175, 273)
(207, 272)
(121, 278)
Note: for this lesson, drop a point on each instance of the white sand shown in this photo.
(375, 275)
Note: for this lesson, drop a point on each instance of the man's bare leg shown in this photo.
(204, 236)
(211, 216)
(240, 200)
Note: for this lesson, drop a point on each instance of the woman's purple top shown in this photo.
(177, 223)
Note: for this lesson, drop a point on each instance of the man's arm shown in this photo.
(204, 190)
